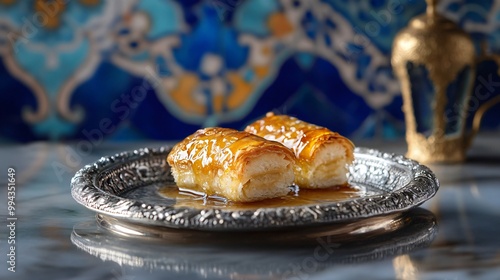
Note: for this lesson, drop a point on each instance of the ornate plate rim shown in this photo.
(423, 185)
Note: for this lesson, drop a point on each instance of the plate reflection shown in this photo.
(253, 255)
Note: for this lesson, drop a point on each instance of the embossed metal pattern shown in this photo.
(393, 183)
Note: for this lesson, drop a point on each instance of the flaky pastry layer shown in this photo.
(233, 164)
(322, 156)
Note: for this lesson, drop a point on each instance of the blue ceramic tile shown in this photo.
(202, 63)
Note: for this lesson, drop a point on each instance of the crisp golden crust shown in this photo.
(221, 161)
(306, 141)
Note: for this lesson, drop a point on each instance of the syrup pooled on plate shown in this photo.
(296, 197)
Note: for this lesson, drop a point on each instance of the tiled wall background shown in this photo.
(159, 69)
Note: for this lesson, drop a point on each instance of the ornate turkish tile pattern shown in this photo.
(161, 69)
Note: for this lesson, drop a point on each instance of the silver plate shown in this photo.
(126, 186)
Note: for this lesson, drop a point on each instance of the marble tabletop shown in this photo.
(454, 235)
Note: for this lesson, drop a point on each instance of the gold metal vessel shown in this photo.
(433, 51)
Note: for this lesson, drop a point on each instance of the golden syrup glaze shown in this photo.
(210, 151)
(303, 138)
(296, 197)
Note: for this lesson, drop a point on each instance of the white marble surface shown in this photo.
(466, 208)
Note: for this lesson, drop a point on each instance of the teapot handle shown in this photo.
(478, 116)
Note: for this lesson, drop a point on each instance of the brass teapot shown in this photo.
(435, 62)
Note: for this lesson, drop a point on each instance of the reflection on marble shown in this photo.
(273, 254)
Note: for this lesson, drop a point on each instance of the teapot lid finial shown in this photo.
(431, 7)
